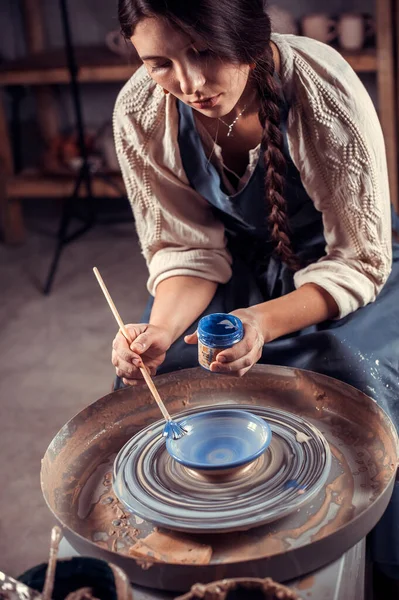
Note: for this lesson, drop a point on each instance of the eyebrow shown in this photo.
(153, 57)
(164, 57)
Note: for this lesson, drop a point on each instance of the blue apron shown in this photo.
(361, 349)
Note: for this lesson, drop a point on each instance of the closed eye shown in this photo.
(199, 54)
(160, 67)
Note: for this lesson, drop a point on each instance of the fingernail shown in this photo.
(137, 346)
(221, 359)
(215, 367)
(136, 362)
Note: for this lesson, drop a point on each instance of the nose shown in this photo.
(191, 80)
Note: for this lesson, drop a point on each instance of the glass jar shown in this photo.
(217, 332)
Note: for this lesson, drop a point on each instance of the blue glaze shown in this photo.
(220, 330)
(293, 484)
(220, 439)
(173, 430)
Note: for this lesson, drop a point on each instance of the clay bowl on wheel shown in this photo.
(220, 442)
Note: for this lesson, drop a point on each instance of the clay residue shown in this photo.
(172, 548)
(110, 527)
(108, 524)
(273, 540)
(346, 511)
(317, 518)
(307, 583)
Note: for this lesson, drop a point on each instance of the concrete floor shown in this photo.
(55, 359)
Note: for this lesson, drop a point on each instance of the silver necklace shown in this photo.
(230, 127)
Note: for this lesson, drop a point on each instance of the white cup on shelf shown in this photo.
(353, 31)
(319, 26)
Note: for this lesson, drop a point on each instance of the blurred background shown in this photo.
(63, 210)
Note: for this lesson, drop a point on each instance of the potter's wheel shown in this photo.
(155, 487)
(77, 480)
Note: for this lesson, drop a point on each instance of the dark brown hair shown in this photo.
(237, 31)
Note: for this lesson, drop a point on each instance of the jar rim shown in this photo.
(205, 324)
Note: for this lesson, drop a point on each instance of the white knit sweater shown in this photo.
(336, 143)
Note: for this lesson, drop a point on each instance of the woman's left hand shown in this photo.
(242, 356)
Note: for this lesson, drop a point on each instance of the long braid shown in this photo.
(274, 160)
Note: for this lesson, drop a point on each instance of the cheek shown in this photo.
(233, 80)
(239, 78)
(166, 80)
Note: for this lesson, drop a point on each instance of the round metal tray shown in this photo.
(76, 480)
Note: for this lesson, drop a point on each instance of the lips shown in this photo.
(207, 102)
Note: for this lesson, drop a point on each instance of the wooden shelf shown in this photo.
(363, 61)
(41, 185)
(96, 65)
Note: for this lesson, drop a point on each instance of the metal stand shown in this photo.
(84, 177)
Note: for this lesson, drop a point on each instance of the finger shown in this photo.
(121, 347)
(133, 370)
(151, 366)
(143, 342)
(152, 370)
(242, 372)
(251, 343)
(130, 382)
(120, 342)
(136, 375)
(135, 329)
(126, 356)
(192, 338)
(128, 371)
(242, 363)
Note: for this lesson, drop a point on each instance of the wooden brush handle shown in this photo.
(154, 392)
(56, 537)
(125, 333)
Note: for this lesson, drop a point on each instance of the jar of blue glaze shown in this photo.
(216, 333)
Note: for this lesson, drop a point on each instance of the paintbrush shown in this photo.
(171, 429)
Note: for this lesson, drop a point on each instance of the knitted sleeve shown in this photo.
(337, 145)
(177, 229)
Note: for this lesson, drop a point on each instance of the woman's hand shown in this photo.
(149, 345)
(242, 356)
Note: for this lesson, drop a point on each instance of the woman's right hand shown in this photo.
(149, 345)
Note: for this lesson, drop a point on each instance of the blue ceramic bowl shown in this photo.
(220, 439)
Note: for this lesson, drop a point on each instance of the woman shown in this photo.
(255, 165)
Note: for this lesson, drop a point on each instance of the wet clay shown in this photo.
(111, 527)
(170, 548)
(108, 524)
